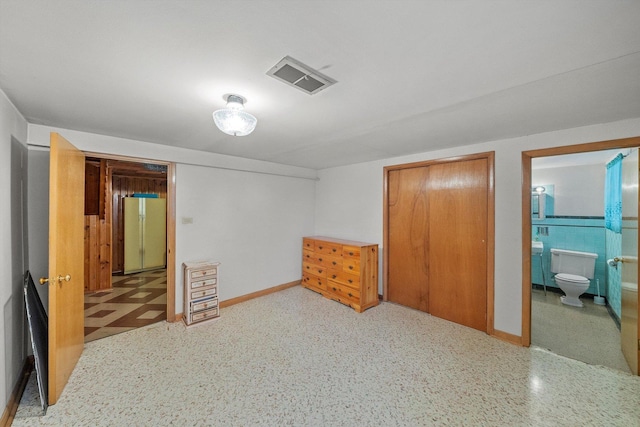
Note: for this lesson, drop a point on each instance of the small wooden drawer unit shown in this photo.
(200, 291)
(342, 270)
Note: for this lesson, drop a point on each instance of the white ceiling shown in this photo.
(412, 75)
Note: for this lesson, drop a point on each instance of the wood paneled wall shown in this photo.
(127, 186)
(97, 265)
(97, 231)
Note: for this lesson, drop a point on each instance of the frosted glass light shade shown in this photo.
(234, 122)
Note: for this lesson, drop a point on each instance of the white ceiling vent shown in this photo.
(296, 74)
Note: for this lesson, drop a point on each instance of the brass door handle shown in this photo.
(59, 279)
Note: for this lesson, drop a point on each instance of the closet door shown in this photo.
(457, 254)
(407, 238)
(438, 217)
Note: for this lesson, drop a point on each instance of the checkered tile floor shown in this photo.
(135, 300)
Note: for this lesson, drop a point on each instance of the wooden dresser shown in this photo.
(200, 292)
(342, 270)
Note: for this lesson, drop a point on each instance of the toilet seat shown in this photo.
(572, 278)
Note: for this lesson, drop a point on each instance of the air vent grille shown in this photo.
(296, 74)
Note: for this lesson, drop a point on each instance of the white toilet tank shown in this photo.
(573, 262)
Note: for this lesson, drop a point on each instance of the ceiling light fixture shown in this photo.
(232, 120)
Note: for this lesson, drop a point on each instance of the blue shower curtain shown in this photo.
(613, 195)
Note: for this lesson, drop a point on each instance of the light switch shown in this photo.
(187, 220)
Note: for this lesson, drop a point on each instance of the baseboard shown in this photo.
(505, 336)
(16, 395)
(258, 294)
(247, 297)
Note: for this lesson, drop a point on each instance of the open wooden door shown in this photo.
(66, 262)
(630, 340)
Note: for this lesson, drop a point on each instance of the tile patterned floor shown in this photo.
(136, 300)
(294, 358)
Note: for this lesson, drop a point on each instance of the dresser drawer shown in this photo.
(349, 279)
(205, 293)
(351, 252)
(351, 265)
(315, 281)
(197, 274)
(328, 248)
(343, 291)
(308, 244)
(309, 256)
(202, 315)
(203, 305)
(314, 269)
(329, 261)
(202, 283)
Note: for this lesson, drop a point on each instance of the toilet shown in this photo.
(572, 270)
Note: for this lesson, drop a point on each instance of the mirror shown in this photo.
(542, 202)
(538, 203)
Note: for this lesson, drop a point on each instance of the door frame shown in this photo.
(526, 211)
(490, 156)
(171, 224)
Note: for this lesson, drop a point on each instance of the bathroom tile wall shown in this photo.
(584, 234)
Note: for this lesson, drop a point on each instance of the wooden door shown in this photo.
(457, 251)
(629, 326)
(66, 262)
(437, 238)
(407, 237)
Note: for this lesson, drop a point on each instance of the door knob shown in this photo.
(59, 279)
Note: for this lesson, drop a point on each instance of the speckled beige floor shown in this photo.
(587, 333)
(295, 358)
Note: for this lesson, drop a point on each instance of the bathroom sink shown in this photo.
(536, 248)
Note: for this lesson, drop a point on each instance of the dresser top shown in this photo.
(340, 241)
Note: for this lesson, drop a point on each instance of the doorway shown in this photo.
(439, 239)
(570, 195)
(124, 294)
(536, 297)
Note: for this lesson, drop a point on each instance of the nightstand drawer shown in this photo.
(203, 273)
(202, 283)
(203, 315)
(204, 293)
(203, 305)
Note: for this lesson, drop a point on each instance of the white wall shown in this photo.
(577, 190)
(349, 203)
(250, 222)
(13, 127)
(248, 214)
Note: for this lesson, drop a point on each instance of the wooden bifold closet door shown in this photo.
(437, 238)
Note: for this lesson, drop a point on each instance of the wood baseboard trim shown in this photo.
(505, 336)
(177, 318)
(258, 294)
(14, 400)
(243, 298)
